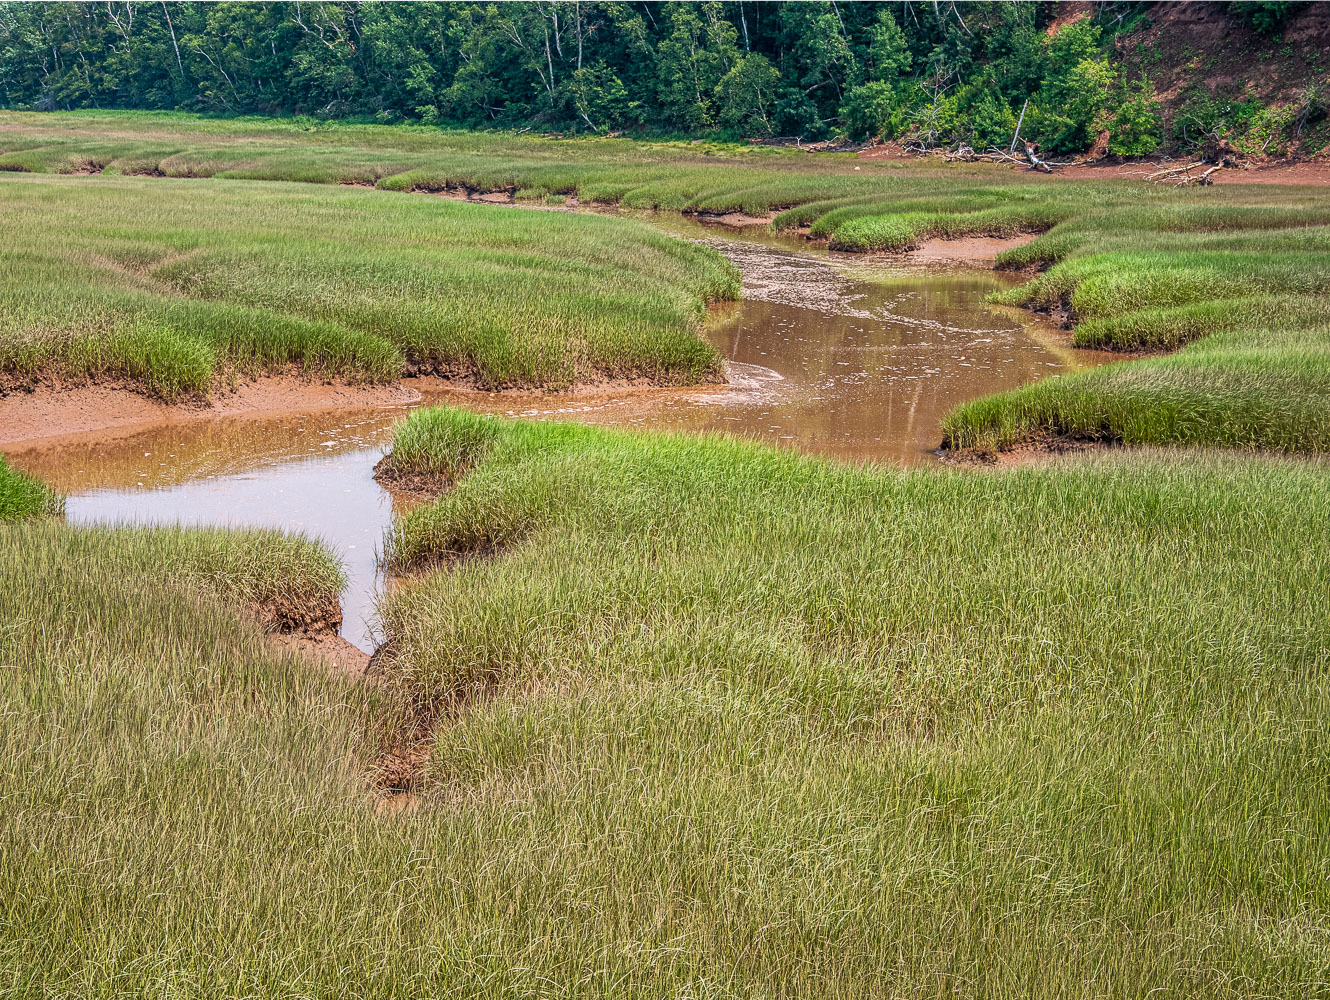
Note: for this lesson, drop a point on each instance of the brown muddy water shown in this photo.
(845, 356)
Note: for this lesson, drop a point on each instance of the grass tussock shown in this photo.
(22, 496)
(438, 444)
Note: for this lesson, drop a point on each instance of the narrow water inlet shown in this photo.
(857, 359)
(334, 499)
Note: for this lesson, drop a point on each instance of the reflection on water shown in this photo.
(843, 356)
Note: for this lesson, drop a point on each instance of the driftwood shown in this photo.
(1215, 155)
(965, 154)
(1019, 122)
(1168, 173)
(1182, 176)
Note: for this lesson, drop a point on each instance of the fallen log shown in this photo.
(1170, 172)
(1182, 176)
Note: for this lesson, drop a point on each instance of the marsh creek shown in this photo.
(857, 358)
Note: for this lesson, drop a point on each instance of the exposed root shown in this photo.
(297, 615)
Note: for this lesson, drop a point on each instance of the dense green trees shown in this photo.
(934, 74)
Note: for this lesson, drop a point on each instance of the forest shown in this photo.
(925, 75)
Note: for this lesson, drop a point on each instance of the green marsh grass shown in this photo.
(1134, 267)
(22, 496)
(1260, 389)
(714, 720)
(704, 177)
(1041, 732)
(1244, 290)
(172, 284)
(710, 719)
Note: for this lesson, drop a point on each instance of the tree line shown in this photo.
(928, 73)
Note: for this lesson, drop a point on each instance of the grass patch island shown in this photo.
(23, 497)
(1242, 290)
(173, 286)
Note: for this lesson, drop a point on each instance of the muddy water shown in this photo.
(861, 358)
(838, 355)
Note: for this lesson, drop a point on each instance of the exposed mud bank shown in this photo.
(328, 649)
(1031, 451)
(412, 486)
(50, 412)
(982, 250)
(309, 626)
(732, 220)
(970, 250)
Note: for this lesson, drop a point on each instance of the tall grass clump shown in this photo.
(441, 443)
(22, 496)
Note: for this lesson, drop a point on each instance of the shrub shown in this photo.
(1135, 129)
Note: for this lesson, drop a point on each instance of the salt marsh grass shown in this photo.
(1244, 290)
(669, 175)
(23, 497)
(819, 728)
(172, 285)
(712, 720)
(705, 719)
(524, 299)
(151, 736)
